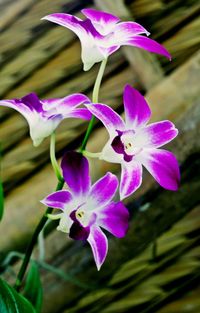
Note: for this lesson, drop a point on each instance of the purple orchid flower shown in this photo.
(43, 116)
(133, 143)
(86, 209)
(101, 34)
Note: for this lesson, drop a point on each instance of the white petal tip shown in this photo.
(87, 66)
(37, 142)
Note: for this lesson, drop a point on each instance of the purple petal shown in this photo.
(147, 44)
(137, 111)
(32, 102)
(66, 104)
(131, 179)
(17, 105)
(79, 27)
(158, 134)
(75, 169)
(66, 20)
(163, 166)
(80, 113)
(111, 120)
(114, 218)
(125, 30)
(58, 199)
(100, 17)
(103, 190)
(99, 244)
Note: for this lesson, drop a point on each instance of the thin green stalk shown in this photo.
(95, 99)
(53, 157)
(33, 241)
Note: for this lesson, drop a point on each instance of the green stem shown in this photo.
(91, 154)
(53, 157)
(33, 241)
(95, 99)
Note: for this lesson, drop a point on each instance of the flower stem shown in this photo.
(91, 154)
(95, 99)
(33, 241)
(53, 157)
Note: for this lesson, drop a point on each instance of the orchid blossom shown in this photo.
(133, 143)
(43, 116)
(102, 33)
(86, 209)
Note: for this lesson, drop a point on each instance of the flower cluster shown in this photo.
(86, 209)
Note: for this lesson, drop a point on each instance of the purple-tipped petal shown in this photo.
(87, 33)
(66, 20)
(17, 105)
(102, 21)
(148, 44)
(99, 244)
(75, 169)
(137, 111)
(66, 104)
(80, 113)
(32, 102)
(111, 120)
(163, 166)
(103, 190)
(100, 17)
(131, 179)
(158, 134)
(126, 30)
(114, 218)
(58, 199)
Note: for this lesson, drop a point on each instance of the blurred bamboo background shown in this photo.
(156, 267)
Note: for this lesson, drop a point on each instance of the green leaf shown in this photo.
(1, 192)
(1, 200)
(33, 287)
(13, 302)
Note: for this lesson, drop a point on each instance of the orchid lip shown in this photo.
(123, 144)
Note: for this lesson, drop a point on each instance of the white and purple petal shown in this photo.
(17, 105)
(137, 111)
(82, 113)
(103, 22)
(99, 244)
(126, 30)
(58, 199)
(114, 218)
(87, 34)
(42, 127)
(75, 168)
(147, 44)
(131, 178)
(32, 102)
(163, 166)
(66, 104)
(111, 120)
(69, 21)
(157, 134)
(103, 190)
